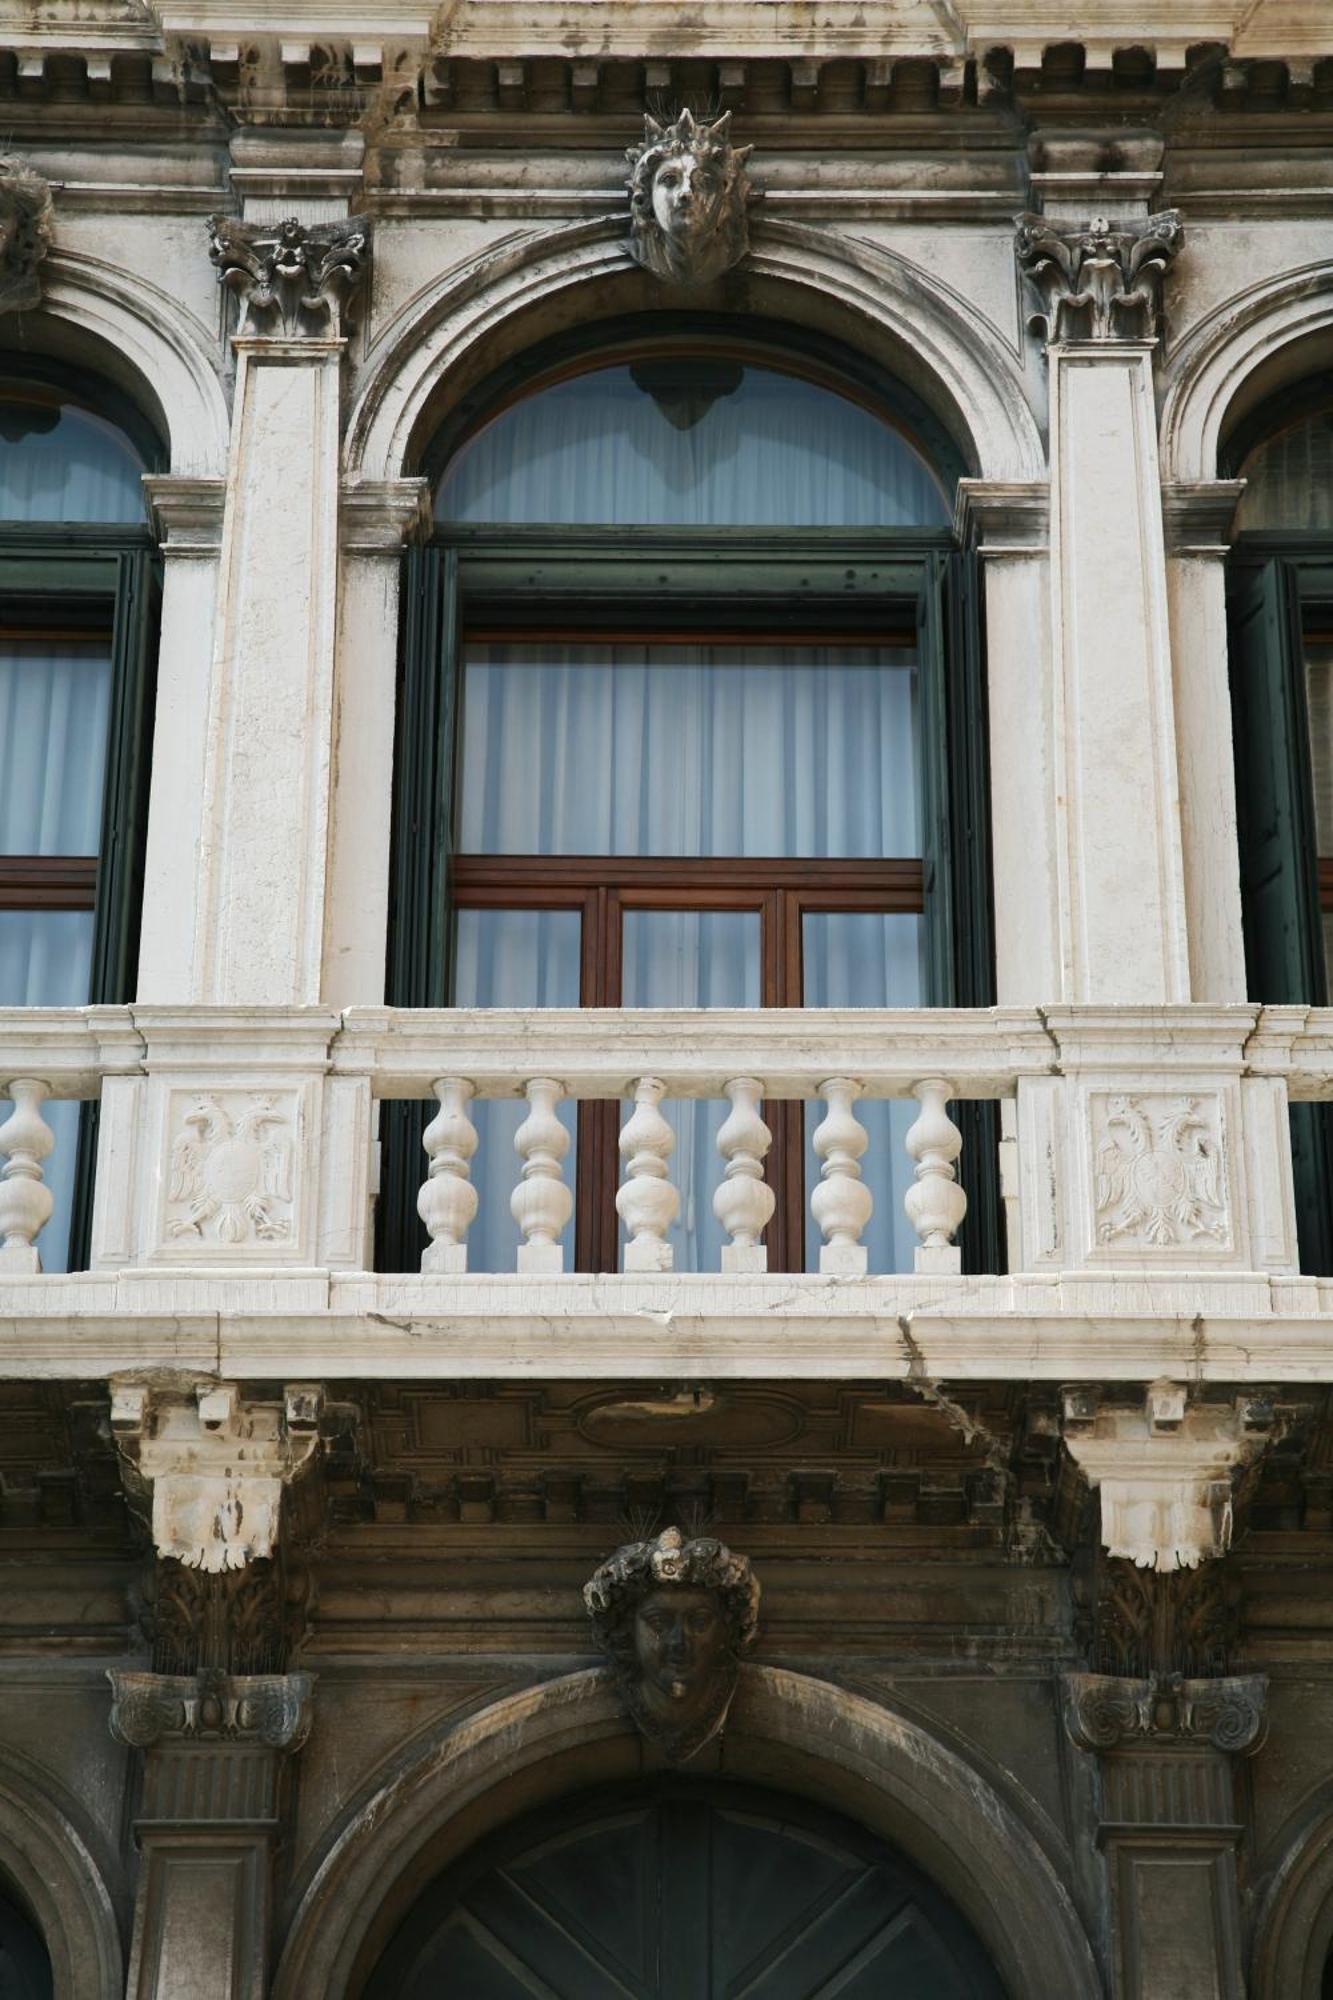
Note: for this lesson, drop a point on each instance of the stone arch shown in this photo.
(51, 1865)
(529, 284)
(139, 337)
(1293, 1934)
(786, 1730)
(1243, 351)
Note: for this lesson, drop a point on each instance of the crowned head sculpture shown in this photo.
(25, 232)
(689, 196)
(674, 1618)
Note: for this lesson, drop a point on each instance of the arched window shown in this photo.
(77, 589)
(1280, 626)
(684, 626)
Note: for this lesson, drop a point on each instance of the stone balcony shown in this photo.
(1146, 1174)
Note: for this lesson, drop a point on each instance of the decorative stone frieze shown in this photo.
(216, 1465)
(272, 1709)
(1102, 283)
(674, 1618)
(689, 199)
(1163, 1470)
(25, 233)
(1104, 1712)
(292, 278)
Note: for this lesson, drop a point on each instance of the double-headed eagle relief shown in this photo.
(1160, 1174)
(674, 1618)
(689, 199)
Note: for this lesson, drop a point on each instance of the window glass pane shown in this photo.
(692, 958)
(1319, 696)
(45, 961)
(691, 443)
(54, 695)
(854, 959)
(512, 958)
(690, 750)
(61, 463)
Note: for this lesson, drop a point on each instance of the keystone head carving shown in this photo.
(689, 197)
(291, 279)
(674, 1617)
(25, 232)
(1099, 283)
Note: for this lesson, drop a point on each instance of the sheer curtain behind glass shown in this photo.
(771, 451)
(58, 464)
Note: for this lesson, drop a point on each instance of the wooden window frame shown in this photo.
(832, 586)
(87, 581)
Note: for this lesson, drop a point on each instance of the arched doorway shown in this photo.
(683, 1889)
(25, 1967)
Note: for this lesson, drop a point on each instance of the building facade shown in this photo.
(666, 757)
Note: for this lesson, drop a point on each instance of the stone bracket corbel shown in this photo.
(216, 1465)
(1163, 1469)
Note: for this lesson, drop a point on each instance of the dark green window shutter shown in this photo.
(422, 848)
(1275, 813)
(957, 857)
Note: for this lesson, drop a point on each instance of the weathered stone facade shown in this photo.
(1024, 1571)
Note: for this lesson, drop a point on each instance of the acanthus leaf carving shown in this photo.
(25, 233)
(1103, 282)
(1161, 1178)
(689, 199)
(292, 278)
(231, 1168)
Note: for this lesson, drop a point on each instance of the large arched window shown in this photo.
(681, 641)
(1280, 604)
(77, 594)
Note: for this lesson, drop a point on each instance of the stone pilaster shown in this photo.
(1121, 878)
(1168, 1825)
(213, 1745)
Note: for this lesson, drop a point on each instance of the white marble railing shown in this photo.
(242, 1138)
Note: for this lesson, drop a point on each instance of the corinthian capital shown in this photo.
(25, 232)
(292, 279)
(1099, 283)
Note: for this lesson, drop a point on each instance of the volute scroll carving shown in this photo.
(25, 233)
(292, 278)
(674, 1619)
(1100, 283)
(1103, 1712)
(273, 1710)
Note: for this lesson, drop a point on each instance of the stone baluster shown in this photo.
(541, 1204)
(935, 1203)
(743, 1202)
(842, 1204)
(447, 1203)
(25, 1199)
(646, 1201)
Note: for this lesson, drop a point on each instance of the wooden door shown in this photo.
(684, 1892)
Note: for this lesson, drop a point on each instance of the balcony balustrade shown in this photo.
(237, 1161)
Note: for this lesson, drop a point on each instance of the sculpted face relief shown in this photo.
(689, 195)
(674, 1618)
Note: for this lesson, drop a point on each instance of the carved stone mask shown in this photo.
(689, 195)
(25, 233)
(674, 1618)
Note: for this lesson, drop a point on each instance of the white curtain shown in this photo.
(65, 464)
(777, 451)
(1289, 479)
(54, 700)
(690, 750)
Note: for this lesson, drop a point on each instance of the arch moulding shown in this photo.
(1260, 337)
(53, 1869)
(161, 356)
(943, 348)
(1294, 1932)
(785, 1730)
